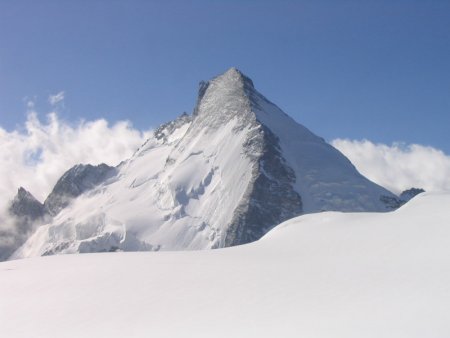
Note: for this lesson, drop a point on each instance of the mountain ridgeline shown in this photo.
(223, 176)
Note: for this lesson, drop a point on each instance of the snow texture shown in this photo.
(322, 275)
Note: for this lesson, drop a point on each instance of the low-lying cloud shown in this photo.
(398, 167)
(37, 154)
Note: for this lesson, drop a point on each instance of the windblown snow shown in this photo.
(322, 275)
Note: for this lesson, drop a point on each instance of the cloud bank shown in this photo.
(38, 153)
(398, 167)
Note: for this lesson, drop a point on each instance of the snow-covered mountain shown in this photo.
(224, 176)
(324, 275)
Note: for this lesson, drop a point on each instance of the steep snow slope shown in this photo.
(221, 177)
(325, 178)
(323, 275)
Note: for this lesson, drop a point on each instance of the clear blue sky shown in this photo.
(358, 69)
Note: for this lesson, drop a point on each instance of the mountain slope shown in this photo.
(73, 183)
(221, 177)
(322, 275)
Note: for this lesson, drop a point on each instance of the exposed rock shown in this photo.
(76, 181)
(392, 202)
(270, 199)
(410, 193)
(166, 129)
(25, 204)
(26, 213)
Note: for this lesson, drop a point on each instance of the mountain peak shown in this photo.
(233, 70)
(23, 194)
(224, 97)
(234, 76)
(26, 205)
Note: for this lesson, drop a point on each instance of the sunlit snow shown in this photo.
(321, 275)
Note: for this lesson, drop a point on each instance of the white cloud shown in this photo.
(398, 167)
(30, 104)
(57, 98)
(37, 156)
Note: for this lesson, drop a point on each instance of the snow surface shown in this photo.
(326, 180)
(321, 275)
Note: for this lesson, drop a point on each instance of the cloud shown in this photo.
(398, 167)
(57, 98)
(30, 104)
(37, 154)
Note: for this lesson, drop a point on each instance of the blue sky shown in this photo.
(378, 70)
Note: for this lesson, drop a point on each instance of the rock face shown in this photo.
(270, 198)
(75, 182)
(223, 176)
(26, 213)
(26, 205)
(164, 131)
(407, 195)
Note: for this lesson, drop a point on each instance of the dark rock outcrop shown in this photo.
(410, 193)
(25, 214)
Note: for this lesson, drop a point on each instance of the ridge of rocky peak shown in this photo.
(234, 75)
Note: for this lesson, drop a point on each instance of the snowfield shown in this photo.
(320, 275)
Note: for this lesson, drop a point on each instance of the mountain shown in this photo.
(74, 182)
(26, 205)
(223, 176)
(327, 275)
(25, 213)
